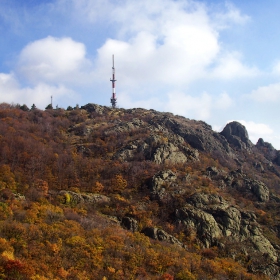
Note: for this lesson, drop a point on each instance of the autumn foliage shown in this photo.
(46, 236)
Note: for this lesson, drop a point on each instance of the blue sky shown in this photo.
(215, 61)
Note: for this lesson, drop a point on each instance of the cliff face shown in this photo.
(172, 179)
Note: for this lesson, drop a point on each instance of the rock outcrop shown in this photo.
(165, 139)
(69, 197)
(197, 134)
(238, 180)
(212, 219)
(237, 135)
(126, 126)
(161, 235)
(259, 189)
(130, 224)
(262, 144)
(271, 154)
(160, 181)
(158, 148)
(90, 107)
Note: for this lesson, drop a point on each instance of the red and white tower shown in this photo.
(113, 98)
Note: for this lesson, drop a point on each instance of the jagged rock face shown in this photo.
(239, 181)
(130, 224)
(76, 198)
(212, 218)
(277, 158)
(268, 151)
(198, 134)
(245, 185)
(158, 148)
(169, 153)
(161, 235)
(237, 135)
(203, 223)
(169, 148)
(90, 107)
(126, 126)
(160, 181)
(263, 144)
(271, 154)
(259, 189)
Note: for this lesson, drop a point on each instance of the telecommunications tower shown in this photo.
(113, 98)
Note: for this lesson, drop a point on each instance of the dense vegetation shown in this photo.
(47, 235)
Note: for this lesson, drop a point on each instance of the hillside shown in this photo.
(101, 193)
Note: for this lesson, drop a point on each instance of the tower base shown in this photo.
(114, 102)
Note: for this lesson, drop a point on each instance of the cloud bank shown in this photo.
(172, 43)
(54, 60)
(160, 47)
(258, 130)
(168, 56)
(266, 94)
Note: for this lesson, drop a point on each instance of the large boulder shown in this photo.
(161, 235)
(238, 180)
(169, 148)
(268, 151)
(125, 126)
(160, 181)
(262, 144)
(227, 217)
(198, 134)
(213, 219)
(90, 107)
(70, 197)
(237, 135)
(169, 153)
(129, 223)
(158, 148)
(260, 190)
(203, 223)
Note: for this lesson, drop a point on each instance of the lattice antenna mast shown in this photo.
(113, 98)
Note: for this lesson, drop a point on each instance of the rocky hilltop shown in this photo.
(177, 139)
(207, 196)
(214, 218)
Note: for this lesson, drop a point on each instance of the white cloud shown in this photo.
(230, 15)
(177, 102)
(9, 88)
(53, 60)
(230, 66)
(80, 10)
(223, 101)
(125, 100)
(276, 69)
(194, 107)
(158, 45)
(169, 44)
(270, 93)
(198, 107)
(257, 130)
(162, 43)
(12, 92)
(234, 15)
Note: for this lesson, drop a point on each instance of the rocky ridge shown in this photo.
(214, 220)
